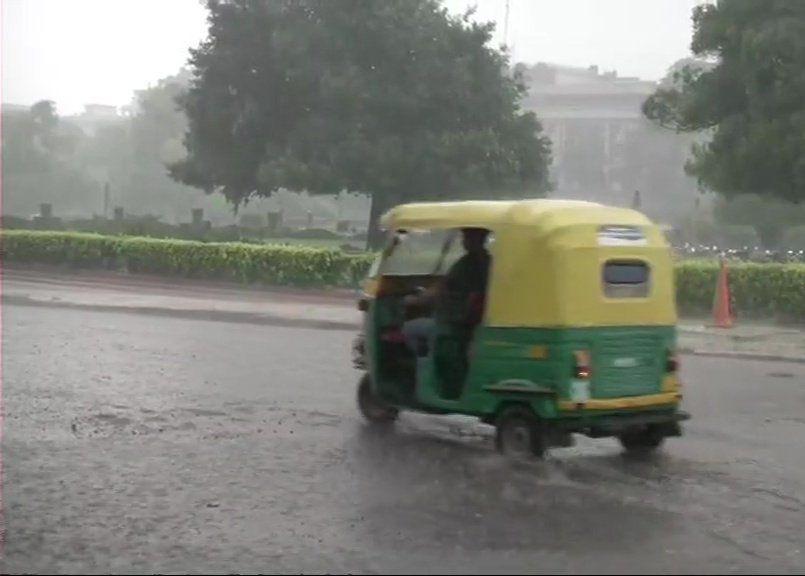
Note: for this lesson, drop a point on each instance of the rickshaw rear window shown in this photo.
(624, 279)
(625, 273)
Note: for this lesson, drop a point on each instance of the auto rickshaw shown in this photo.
(576, 330)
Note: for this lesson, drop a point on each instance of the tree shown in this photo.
(770, 218)
(158, 125)
(749, 93)
(396, 98)
(38, 157)
(156, 131)
(131, 153)
(44, 121)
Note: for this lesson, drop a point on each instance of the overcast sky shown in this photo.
(100, 51)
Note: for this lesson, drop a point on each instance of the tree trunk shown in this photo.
(770, 235)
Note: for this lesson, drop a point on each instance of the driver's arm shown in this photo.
(427, 297)
(431, 294)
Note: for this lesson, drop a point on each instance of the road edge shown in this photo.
(189, 314)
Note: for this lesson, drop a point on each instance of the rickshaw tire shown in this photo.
(521, 422)
(371, 407)
(641, 441)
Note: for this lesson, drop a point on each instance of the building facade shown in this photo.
(603, 148)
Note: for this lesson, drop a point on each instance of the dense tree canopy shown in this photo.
(38, 160)
(771, 218)
(749, 94)
(68, 161)
(395, 98)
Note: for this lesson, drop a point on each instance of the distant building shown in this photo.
(603, 147)
(100, 111)
(95, 115)
(12, 108)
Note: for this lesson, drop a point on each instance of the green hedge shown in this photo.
(248, 263)
(758, 290)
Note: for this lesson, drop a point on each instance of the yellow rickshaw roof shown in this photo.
(540, 215)
(548, 256)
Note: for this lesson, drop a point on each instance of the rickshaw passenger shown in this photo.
(450, 297)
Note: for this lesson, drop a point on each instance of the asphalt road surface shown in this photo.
(144, 444)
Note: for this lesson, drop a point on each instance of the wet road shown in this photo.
(143, 444)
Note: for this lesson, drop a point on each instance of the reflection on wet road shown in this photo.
(143, 444)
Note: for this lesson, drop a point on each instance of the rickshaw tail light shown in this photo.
(582, 369)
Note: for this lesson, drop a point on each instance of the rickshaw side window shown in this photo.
(626, 279)
(421, 252)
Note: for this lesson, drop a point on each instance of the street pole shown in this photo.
(506, 26)
(106, 200)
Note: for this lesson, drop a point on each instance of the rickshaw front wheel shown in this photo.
(518, 434)
(641, 440)
(372, 407)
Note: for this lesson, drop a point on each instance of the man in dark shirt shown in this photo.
(451, 297)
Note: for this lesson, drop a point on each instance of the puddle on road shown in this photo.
(216, 424)
(780, 374)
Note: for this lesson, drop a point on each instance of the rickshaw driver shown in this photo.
(450, 297)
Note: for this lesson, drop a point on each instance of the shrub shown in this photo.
(767, 290)
(267, 264)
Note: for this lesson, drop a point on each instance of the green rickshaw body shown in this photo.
(578, 328)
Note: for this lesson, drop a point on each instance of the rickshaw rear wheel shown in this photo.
(518, 434)
(373, 408)
(641, 440)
